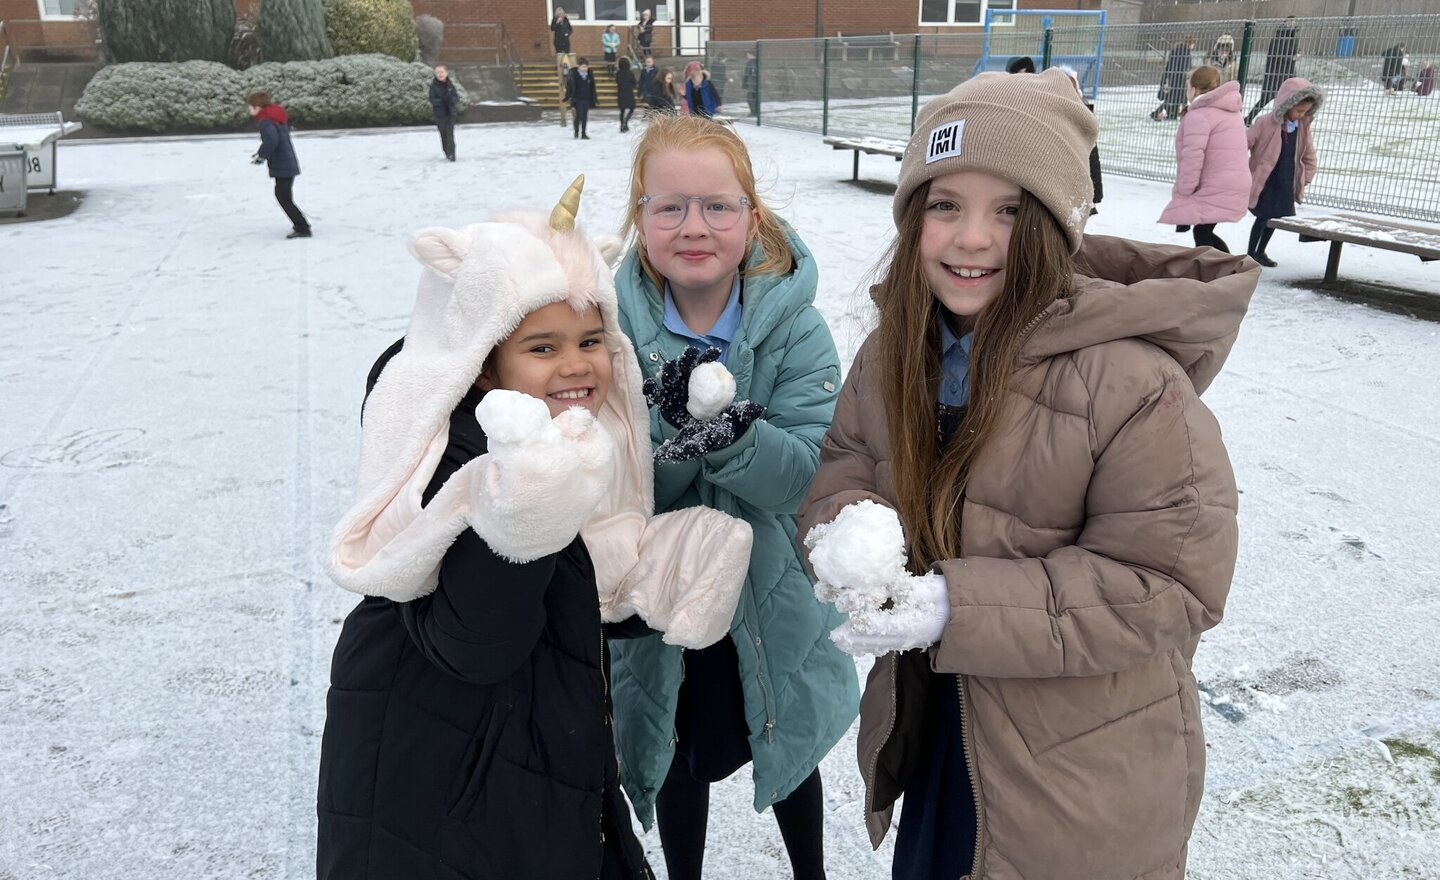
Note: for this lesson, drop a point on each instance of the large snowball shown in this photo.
(861, 551)
(510, 416)
(712, 388)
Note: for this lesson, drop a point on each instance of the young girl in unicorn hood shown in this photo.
(504, 511)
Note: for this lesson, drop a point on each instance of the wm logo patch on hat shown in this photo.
(944, 141)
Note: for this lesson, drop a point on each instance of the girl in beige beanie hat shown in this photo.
(1022, 480)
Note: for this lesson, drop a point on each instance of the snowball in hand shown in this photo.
(861, 552)
(712, 388)
(510, 416)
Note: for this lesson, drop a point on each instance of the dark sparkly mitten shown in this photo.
(670, 391)
(702, 438)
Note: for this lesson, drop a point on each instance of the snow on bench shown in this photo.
(873, 146)
(1340, 229)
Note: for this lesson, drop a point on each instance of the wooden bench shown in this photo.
(873, 146)
(1339, 229)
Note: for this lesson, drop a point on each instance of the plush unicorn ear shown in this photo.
(610, 247)
(440, 249)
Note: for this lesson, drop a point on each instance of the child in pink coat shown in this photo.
(1212, 178)
(1282, 159)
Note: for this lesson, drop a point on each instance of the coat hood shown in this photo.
(1226, 97)
(681, 573)
(1186, 301)
(272, 113)
(1293, 91)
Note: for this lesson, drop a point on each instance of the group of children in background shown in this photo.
(1224, 169)
(585, 501)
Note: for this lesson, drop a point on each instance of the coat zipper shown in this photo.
(762, 671)
(875, 761)
(974, 778)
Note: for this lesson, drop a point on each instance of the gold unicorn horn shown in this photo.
(562, 219)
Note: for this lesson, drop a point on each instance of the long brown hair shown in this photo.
(691, 133)
(930, 482)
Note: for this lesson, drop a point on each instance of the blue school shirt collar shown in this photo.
(725, 329)
(954, 365)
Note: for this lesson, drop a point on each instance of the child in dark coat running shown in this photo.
(625, 93)
(277, 151)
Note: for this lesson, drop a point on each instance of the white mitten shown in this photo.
(859, 557)
(541, 478)
(916, 619)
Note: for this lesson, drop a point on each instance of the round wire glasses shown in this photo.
(720, 212)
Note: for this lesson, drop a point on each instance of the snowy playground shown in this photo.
(181, 430)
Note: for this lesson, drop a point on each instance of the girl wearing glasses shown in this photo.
(713, 267)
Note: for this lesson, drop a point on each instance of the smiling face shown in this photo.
(555, 355)
(969, 216)
(699, 262)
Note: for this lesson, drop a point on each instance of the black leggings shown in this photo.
(625, 114)
(284, 189)
(1260, 235)
(1205, 237)
(683, 810)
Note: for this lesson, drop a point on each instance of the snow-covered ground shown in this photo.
(180, 422)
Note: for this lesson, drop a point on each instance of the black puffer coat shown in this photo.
(468, 731)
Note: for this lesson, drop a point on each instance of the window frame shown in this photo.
(985, 6)
(57, 16)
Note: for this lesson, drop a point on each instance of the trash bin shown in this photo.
(13, 190)
(1345, 45)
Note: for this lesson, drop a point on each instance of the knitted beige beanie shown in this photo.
(1029, 128)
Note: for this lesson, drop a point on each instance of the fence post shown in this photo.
(759, 92)
(1046, 51)
(824, 84)
(1246, 44)
(915, 85)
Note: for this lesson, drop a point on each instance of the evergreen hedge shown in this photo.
(202, 96)
(356, 27)
(166, 30)
(293, 30)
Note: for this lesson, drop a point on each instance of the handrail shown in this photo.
(5, 57)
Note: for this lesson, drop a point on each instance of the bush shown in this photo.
(245, 48)
(195, 96)
(293, 30)
(359, 27)
(430, 31)
(167, 30)
(183, 97)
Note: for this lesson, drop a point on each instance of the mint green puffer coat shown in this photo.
(801, 692)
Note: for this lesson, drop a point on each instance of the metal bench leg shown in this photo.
(1332, 266)
(855, 173)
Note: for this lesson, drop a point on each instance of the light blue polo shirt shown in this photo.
(954, 365)
(724, 331)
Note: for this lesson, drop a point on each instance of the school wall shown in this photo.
(1157, 12)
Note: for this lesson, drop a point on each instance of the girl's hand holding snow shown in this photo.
(542, 478)
(670, 391)
(916, 619)
(699, 438)
(859, 560)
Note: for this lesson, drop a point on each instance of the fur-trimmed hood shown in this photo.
(1293, 91)
(477, 285)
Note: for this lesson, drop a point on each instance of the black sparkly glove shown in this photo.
(670, 392)
(702, 438)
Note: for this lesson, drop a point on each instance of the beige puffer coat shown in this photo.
(1099, 540)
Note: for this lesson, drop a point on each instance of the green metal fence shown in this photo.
(1378, 142)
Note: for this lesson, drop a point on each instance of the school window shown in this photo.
(959, 11)
(60, 8)
(593, 11)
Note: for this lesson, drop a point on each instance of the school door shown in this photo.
(694, 26)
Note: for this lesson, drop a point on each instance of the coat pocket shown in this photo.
(474, 767)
